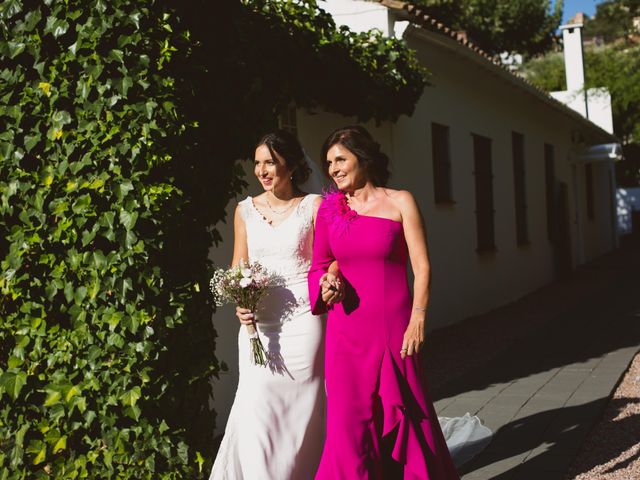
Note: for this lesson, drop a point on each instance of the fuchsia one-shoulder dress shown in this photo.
(371, 392)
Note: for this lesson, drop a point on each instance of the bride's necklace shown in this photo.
(280, 212)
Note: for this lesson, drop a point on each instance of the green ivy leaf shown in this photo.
(123, 189)
(31, 141)
(50, 291)
(15, 48)
(60, 445)
(57, 27)
(53, 397)
(39, 448)
(80, 294)
(68, 292)
(71, 392)
(112, 319)
(128, 219)
(81, 204)
(199, 461)
(116, 55)
(14, 362)
(131, 397)
(18, 450)
(12, 382)
(56, 412)
(149, 107)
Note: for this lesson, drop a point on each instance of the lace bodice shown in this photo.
(285, 248)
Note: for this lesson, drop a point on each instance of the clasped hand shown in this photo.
(332, 288)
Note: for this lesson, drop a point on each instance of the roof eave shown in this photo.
(431, 30)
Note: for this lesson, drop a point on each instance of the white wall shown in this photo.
(357, 15)
(628, 201)
(600, 110)
(467, 100)
(594, 104)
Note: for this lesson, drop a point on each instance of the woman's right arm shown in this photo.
(240, 252)
(331, 286)
(321, 262)
(240, 248)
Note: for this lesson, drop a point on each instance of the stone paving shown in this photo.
(542, 394)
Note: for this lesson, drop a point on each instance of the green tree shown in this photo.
(526, 26)
(123, 123)
(547, 71)
(613, 20)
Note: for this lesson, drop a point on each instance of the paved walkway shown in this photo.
(543, 388)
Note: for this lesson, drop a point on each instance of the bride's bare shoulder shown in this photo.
(260, 199)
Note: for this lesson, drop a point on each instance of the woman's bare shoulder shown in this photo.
(400, 197)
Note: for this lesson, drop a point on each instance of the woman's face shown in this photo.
(345, 169)
(272, 172)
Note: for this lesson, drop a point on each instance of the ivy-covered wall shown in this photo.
(88, 107)
(122, 122)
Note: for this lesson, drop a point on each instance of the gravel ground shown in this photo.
(612, 449)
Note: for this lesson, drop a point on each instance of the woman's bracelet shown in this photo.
(420, 309)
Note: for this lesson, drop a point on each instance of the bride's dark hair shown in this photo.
(359, 141)
(287, 146)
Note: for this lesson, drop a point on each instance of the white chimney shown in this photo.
(595, 103)
(573, 56)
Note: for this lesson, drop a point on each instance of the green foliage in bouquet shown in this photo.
(122, 125)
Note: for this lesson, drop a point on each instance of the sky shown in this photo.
(571, 7)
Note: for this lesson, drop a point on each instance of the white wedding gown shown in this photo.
(275, 429)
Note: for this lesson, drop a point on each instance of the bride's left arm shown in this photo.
(414, 233)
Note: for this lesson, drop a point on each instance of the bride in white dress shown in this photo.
(275, 429)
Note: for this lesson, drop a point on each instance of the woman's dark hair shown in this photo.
(359, 141)
(287, 146)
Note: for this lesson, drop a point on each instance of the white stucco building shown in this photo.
(516, 187)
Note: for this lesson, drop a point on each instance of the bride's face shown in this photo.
(345, 169)
(272, 172)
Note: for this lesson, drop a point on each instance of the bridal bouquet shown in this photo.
(243, 285)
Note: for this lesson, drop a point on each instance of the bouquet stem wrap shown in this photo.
(258, 353)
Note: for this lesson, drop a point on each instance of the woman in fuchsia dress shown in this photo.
(380, 420)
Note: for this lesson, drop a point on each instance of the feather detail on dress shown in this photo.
(337, 211)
